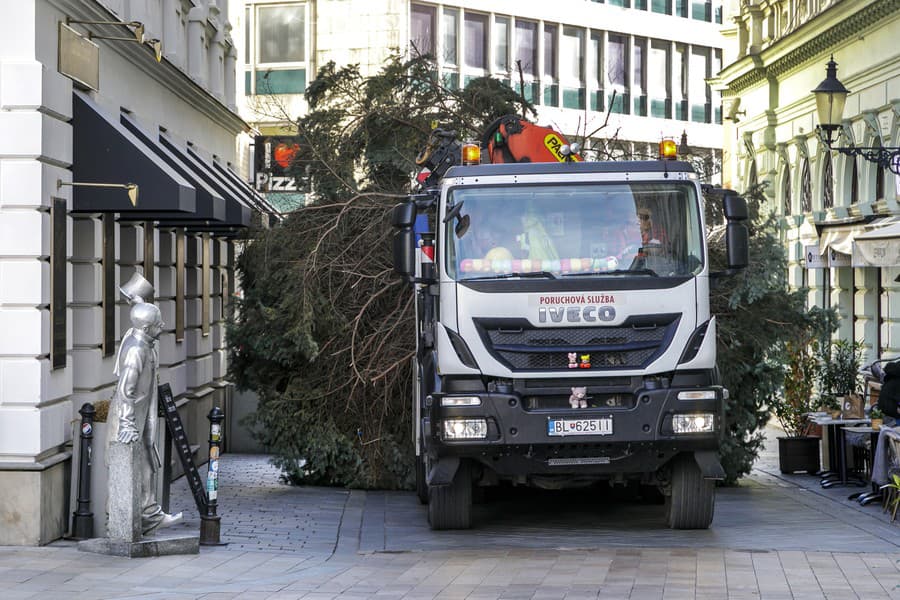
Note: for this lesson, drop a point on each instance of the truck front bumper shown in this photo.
(500, 432)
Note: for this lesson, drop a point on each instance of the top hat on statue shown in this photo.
(137, 289)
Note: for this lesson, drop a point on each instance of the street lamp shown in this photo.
(830, 98)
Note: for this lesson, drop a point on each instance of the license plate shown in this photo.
(562, 427)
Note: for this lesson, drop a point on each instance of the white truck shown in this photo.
(564, 333)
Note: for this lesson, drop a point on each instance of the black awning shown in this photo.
(237, 214)
(210, 204)
(252, 195)
(226, 181)
(106, 152)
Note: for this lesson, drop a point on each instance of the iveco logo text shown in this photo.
(576, 314)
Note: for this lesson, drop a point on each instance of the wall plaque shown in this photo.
(79, 57)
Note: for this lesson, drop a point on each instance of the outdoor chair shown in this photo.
(889, 492)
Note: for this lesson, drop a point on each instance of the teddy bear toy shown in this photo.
(578, 399)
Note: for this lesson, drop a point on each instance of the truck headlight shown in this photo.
(697, 395)
(465, 429)
(460, 401)
(696, 423)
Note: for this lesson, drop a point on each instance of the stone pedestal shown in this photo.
(157, 545)
(124, 508)
(124, 502)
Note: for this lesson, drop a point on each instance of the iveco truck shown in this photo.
(564, 334)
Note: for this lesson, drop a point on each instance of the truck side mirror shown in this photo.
(403, 216)
(404, 253)
(737, 236)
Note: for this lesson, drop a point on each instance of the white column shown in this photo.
(35, 149)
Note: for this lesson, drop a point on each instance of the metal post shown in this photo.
(83, 518)
(210, 523)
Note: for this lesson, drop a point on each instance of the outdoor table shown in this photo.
(836, 449)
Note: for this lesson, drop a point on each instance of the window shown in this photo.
(476, 41)
(180, 272)
(879, 174)
(639, 82)
(827, 182)
(701, 10)
(616, 70)
(805, 188)
(450, 48)
(717, 96)
(854, 183)
(658, 80)
(247, 18)
(281, 34)
(699, 91)
(421, 31)
(149, 252)
(108, 268)
(551, 89)
(680, 84)
(622, 3)
(526, 58)
(58, 283)
(248, 70)
(450, 35)
(501, 44)
(595, 71)
(786, 190)
(205, 285)
(681, 8)
(278, 65)
(661, 6)
(572, 59)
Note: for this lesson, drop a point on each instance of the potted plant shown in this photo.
(797, 450)
(839, 374)
(877, 417)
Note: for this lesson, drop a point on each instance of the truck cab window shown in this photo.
(595, 229)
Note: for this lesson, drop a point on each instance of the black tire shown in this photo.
(691, 503)
(450, 506)
(421, 485)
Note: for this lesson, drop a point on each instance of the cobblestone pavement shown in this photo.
(774, 536)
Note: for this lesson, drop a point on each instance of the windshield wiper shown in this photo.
(649, 272)
(526, 275)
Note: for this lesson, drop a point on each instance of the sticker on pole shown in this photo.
(86, 429)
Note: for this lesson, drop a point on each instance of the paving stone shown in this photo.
(774, 536)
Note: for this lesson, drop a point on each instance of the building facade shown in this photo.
(77, 107)
(826, 200)
(644, 62)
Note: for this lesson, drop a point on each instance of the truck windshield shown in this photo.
(584, 230)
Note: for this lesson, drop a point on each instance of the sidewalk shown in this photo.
(774, 536)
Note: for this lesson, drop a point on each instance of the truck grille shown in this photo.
(633, 344)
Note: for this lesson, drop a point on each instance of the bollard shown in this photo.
(83, 518)
(210, 523)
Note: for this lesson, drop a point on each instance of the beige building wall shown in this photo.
(824, 198)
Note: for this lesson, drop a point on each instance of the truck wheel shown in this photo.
(421, 485)
(450, 506)
(690, 506)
